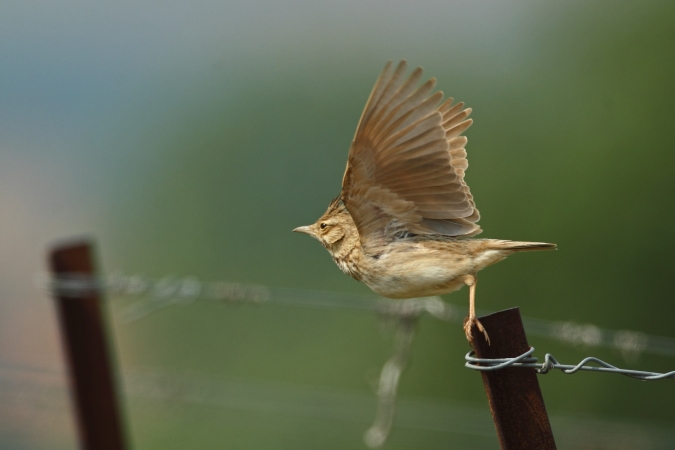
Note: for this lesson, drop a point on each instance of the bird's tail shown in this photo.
(517, 246)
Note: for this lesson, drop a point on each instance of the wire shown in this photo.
(157, 294)
(550, 363)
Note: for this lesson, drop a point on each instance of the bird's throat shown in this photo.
(348, 256)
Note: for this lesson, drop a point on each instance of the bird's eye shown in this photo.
(323, 225)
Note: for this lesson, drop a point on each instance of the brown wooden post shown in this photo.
(84, 342)
(515, 398)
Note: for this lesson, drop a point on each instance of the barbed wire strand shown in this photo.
(550, 363)
(377, 434)
(169, 291)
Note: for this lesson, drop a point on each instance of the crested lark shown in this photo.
(401, 221)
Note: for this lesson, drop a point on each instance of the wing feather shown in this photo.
(452, 111)
(451, 133)
(456, 119)
(406, 165)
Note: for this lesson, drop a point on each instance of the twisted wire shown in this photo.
(526, 360)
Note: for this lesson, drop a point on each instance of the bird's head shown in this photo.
(333, 228)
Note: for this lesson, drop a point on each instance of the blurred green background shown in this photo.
(190, 138)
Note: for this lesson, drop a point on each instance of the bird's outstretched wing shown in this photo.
(405, 171)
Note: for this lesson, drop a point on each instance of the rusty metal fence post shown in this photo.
(515, 399)
(86, 349)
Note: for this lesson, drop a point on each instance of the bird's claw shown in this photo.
(468, 325)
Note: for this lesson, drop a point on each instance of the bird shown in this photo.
(405, 220)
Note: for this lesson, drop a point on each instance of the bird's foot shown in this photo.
(468, 325)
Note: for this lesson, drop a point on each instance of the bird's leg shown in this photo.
(470, 280)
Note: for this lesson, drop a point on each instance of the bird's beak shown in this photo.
(307, 229)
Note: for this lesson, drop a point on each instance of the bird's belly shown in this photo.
(418, 279)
